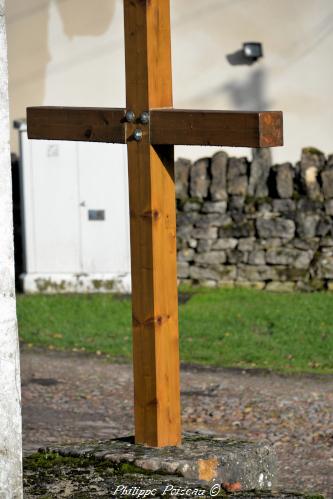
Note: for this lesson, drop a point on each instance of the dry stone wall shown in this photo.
(254, 224)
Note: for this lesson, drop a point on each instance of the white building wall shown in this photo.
(71, 52)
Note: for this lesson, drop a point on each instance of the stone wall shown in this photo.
(253, 224)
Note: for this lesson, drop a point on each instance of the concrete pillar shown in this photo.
(10, 394)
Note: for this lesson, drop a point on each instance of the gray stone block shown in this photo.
(183, 270)
(286, 273)
(235, 256)
(224, 244)
(184, 232)
(257, 273)
(212, 219)
(275, 227)
(214, 207)
(204, 273)
(187, 218)
(227, 273)
(326, 242)
(218, 187)
(257, 258)
(284, 205)
(236, 203)
(329, 207)
(204, 245)
(290, 256)
(237, 179)
(182, 171)
(325, 266)
(273, 242)
(307, 244)
(246, 243)
(281, 287)
(213, 257)
(285, 180)
(204, 233)
(244, 228)
(312, 162)
(265, 207)
(307, 224)
(192, 205)
(199, 183)
(325, 227)
(259, 172)
(307, 205)
(185, 255)
(327, 182)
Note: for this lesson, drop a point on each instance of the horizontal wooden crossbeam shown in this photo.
(167, 126)
(216, 128)
(77, 123)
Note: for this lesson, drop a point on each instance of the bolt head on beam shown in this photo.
(130, 116)
(144, 118)
(137, 134)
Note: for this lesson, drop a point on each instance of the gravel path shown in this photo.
(69, 397)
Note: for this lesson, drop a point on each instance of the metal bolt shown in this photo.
(130, 116)
(137, 134)
(144, 118)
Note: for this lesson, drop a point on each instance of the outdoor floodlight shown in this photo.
(252, 50)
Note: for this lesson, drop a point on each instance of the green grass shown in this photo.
(243, 328)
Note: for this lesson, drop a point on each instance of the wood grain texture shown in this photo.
(271, 129)
(147, 54)
(153, 229)
(216, 128)
(71, 123)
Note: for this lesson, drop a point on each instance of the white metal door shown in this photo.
(103, 188)
(54, 219)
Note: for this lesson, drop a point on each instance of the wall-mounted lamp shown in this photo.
(250, 53)
(252, 50)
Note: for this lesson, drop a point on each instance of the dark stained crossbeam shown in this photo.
(216, 128)
(167, 126)
(77, 123)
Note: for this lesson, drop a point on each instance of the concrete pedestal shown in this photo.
(202, 467)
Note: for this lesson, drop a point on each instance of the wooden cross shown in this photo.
(151, 127)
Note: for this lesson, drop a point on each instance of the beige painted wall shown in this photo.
(71, 52)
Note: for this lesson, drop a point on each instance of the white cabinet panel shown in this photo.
(75, 216)
(54, 179)
(104, 208)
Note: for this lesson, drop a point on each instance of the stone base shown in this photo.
(241, 465)
(202, 467)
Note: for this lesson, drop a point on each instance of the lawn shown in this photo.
(236, 327)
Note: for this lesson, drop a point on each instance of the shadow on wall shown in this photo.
(249, 95)
(93, 20)
(28, 51)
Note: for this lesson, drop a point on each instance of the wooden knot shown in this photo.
(152, 214)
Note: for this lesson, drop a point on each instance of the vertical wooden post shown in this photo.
(153, 229)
